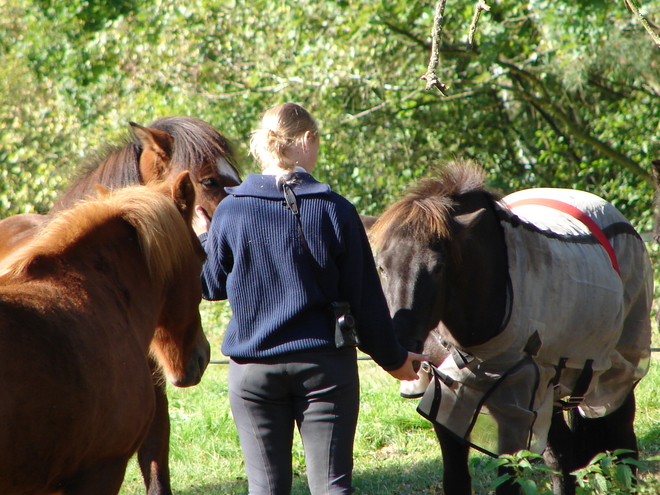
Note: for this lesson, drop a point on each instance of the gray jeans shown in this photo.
(316, 390)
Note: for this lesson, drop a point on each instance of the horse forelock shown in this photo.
(197, 143)
(424, 215)
(164, 238)
(419, 219)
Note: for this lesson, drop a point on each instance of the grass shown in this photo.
(396, 452)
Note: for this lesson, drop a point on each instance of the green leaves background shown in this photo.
(562, 94)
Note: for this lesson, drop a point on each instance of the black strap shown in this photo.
(292, 205)
(581, 386)
(558, 369)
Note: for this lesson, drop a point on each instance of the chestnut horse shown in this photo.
(158, 152)
(161, 151)
(83, 305)
(530, 307)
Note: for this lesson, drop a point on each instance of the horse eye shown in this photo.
(210, 182)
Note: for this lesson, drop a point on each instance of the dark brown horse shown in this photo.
(158, 152)
(530, 307)
(83, 306)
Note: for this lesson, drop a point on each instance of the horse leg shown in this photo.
(456, 475)
(154, 451)
(612, 432)
(560, 454)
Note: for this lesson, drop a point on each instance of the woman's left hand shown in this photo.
(409, 369)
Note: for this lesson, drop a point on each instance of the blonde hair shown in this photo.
(281, 127)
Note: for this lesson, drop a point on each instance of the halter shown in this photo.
(578, 215)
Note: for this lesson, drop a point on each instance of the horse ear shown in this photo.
(463, 223)
(183, 193)
(101, 191)
(368, 221)
(157, 149)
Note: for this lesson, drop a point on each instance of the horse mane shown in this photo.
(163, 236)
(424, 213)
(113, 165)
(195, 141)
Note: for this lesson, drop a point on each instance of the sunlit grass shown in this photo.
(396, 452)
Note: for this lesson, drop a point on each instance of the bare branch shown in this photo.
(406, 33)
(630, 5)
(378, 107)
(431, 77)
(478, 9)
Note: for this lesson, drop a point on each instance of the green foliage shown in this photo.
(608, 473)
(559, 94)
(396, 451)
(524, 466)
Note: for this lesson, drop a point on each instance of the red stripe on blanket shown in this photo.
(577, 214)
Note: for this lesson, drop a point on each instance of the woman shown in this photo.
(281, 265)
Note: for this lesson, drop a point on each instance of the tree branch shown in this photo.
(407, 34)
(380, 106)
(431, 77)
(630, 5)
(575, 130)
(479, 8)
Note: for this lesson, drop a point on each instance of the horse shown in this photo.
(83, 305)
(158, 152)
(534, 309)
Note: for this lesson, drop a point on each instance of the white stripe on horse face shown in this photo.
(224, 168)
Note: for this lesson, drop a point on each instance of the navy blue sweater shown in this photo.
(256, 259)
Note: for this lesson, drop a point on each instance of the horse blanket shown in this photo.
(578, 326)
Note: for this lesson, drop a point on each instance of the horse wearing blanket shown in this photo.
(528, 306)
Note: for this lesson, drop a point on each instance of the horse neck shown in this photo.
(103, 273)
(477, 280)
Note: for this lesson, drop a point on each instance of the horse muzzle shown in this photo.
(197, 364)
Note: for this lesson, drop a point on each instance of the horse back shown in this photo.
(567, 284)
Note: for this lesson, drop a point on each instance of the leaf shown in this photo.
(546, 469)
(500, 480)
(528, 486)
(624, 475)
(600, 484)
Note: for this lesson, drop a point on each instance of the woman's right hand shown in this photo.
(409, 369)
(201, 221)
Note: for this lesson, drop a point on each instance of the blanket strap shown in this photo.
(581, 386)
(578, 215)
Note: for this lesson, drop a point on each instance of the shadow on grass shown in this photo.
(649, 445)
(424, 477)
